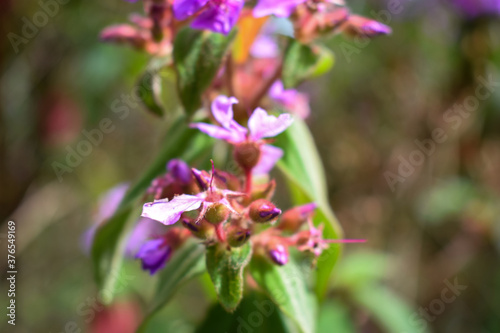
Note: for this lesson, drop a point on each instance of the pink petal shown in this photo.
(169, 212)
(219, 132)
(262, 125)
(222, 109)
(269, 155)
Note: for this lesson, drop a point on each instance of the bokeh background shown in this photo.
(438, 225)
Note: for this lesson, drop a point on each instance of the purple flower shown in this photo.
(144, 230)
(154, 254)
(261, 125)
(280, 8)
(169, 212)
(108, 204)
(265, 46)
(180, 171)
(293, 100)
(215, 15)
(474, 8)
(279, 254)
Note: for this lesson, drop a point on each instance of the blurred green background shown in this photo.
(437, 224)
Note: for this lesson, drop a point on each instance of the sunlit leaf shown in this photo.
(197, 58)
(286, 285)
(301, 166)
(226, 271)
(303, 62)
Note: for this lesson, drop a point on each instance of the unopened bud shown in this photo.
(217, 213)
(358, 26)
(202, 230)
(262, 211)
(294, 218)
(226, 180)
(279, 254)
(180, 171)
(237, 236)
(202, 178)
(247, 154)
(264, 191)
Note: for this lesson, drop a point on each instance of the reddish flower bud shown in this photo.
(217, 213)
(262, 211)
(202, 230)
(247, 154)
(278, 254)
(358, 26)
(294, 218)
(125, 33)
(237, 236)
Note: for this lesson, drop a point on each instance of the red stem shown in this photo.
(219, 230)
(248, 175)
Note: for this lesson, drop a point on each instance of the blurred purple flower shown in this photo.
(154, 254)
(180, 171)
(144, 230)
(280, 8)
(215, 15)
(264, 46)
(261, 125)
(108, 204)
(475, 8)
(293, 100)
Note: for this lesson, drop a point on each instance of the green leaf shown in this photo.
(197, 58)
(301, 166)
(149, 89)
(360, 268)
(226, 271)
(387, 308)
(108, 245)
(107, 249)
(287, 287)
(303, 62)
(335, 314)
(187, 263)
(255, 314)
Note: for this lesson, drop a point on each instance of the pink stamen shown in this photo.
(344, 240)
(212, 176)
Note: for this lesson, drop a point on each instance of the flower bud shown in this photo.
(217, 213)
(154, 254)
(247, 154)
(262, 211)
(202, 178)
(237, 236)
(294, 218)
(202, 230)
(358, 26)
(180, 171)
(278, 254)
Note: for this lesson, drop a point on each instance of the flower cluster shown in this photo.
(227, 208)
(217, 207)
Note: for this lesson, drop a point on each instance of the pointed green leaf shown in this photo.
(197, 58)
(186, 263)
(303, 62)
(301, 165)
(107, 249)
(226, 271)
(286, 285)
